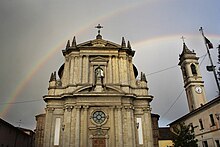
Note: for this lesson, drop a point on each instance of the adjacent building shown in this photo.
(11, 136)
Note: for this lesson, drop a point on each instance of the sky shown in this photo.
(33, 34)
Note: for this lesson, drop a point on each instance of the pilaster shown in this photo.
(130, 126)
(112, 142)
(84, 124)
(119, 135)
(71, 69)
(67, 125)
(148, 138)
(77, 127)
(48, 127)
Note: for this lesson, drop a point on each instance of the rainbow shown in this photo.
(84, 28)
(23, 82)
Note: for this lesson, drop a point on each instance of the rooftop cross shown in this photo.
(183, 38)
(99, 27)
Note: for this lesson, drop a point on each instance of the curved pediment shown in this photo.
(106, 90)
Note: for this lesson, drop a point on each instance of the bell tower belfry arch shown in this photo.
(193, 83)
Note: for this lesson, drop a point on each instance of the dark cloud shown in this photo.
(31, 30)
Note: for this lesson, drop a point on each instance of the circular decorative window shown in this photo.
(99, 117)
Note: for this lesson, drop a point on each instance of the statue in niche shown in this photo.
(99, 75)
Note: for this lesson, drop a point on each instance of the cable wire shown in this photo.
(19, 102)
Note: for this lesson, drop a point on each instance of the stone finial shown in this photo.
(53, 77)
(143, 77)
(74, 42)
(68, 44)
(123, 44)
(129, 45)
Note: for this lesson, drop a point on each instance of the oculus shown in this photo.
(99, 117)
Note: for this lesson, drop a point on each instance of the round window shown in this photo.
(99, 117)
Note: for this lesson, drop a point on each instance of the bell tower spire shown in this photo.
(193, 83)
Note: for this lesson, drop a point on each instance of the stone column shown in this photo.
(67, 126)
(112, 127)
(85, 71)
(130, 126)
(125, 70)
(121, 71)
(80, 66)
(48, 127)
(73, 128)
(110, 70)
(77, 130)
(75, 70)
(91, 74)
(71, 69)
(148, 141)
(116, 70)
(84, 134)
(119, 127)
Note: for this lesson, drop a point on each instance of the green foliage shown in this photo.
(184, 136)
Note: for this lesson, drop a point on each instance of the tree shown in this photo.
(184, 136)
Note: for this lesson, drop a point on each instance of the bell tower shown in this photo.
(193, 83)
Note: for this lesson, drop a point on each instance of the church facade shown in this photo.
(97, 101)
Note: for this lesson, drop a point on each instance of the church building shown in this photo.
(97, 99)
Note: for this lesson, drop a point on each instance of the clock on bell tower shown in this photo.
(193, 83)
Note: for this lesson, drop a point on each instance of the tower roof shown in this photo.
(185, 50)
(187, 54)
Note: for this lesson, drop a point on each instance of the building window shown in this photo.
(57, 131)
(191, 127)
(140, 131)
(201, 124)
(212, 120)
(205, 144)
(193, 69)
(217, 143)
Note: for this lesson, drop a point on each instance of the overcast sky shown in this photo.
(34, 32)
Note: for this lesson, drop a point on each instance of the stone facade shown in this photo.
(97, 100)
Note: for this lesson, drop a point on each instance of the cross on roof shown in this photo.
(99, 27)
(183, 38)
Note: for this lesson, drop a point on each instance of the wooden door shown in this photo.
(98, 143)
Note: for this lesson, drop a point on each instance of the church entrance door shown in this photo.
(98, 143)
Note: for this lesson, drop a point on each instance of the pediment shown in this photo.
(99, 43)
(106, 90)
(98, 59)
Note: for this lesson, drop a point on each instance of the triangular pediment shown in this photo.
(99, 43)
(99, 59)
